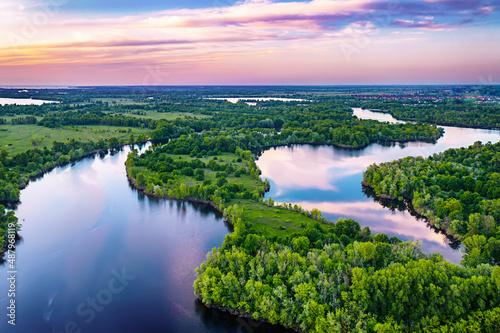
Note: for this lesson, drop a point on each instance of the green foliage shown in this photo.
(381, 238)
(308, 275)
(113, 142)
(337, 288)
(7, 221)
(457, 190)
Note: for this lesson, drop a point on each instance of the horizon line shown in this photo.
(251, 85)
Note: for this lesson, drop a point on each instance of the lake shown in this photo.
(87, 236)
(23, 101)
(329, 178)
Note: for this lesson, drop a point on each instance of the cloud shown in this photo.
(434, 9)
(486, 10)
(456, 4)
(428, 25)
(249, 21)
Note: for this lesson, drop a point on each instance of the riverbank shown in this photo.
(338, 145)
(13, 203)
(88, 213)
(245, 315)
(417, 213)
(456, 190)
(213, 205)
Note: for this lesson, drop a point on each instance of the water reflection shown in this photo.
(379, 116)
(403, 207)
(23, 101)
(329, 178)
(83, 225)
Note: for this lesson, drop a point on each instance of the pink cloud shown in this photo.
(428, 25)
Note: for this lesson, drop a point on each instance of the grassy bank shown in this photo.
(238, 185)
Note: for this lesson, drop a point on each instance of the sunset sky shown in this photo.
(202, 42)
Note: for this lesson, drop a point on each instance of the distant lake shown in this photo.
(237, 99)
(329, 178)
(24, 101)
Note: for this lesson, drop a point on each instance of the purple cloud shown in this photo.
(428, 25)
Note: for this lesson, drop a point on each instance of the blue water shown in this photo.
(97, 256)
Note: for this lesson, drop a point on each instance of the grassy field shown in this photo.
(221, 158)
(272, 221)
(15, 138)
(248, 182)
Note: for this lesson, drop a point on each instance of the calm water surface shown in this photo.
(88, 235)
(329, 179)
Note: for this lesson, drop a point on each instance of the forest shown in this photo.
(458, 191)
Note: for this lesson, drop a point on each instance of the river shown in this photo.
(23, 101)
(97, 256)
(329, 178)
(87, 236)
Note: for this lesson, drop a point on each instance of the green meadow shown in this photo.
(16, 138)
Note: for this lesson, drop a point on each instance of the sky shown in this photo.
(251, 42)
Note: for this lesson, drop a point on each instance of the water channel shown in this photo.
(98, 256)
(329, 178)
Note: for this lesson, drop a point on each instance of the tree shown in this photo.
(476, 251)
(187, 171)
(158, 191)
(141, 180)
(199, 174)
(221, 181)
(347, 227)
(316, 213)
(183, 191)
(301, 244)
(381, 238)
